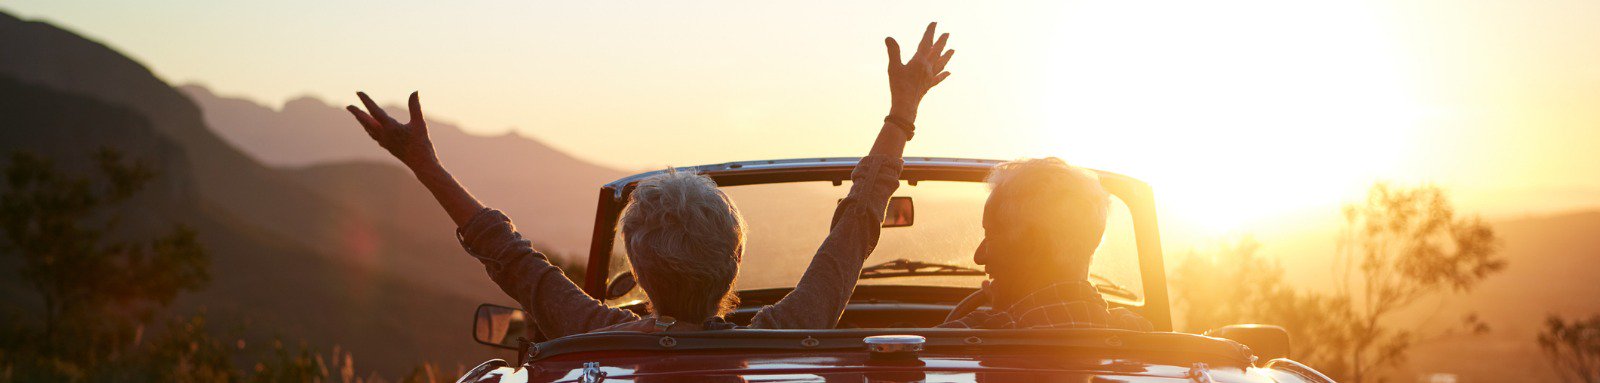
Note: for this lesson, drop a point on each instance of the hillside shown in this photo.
(1554, 266)
(287, 259)
(34, 115)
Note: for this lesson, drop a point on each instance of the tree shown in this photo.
(98, 290)
(1399, 247)
(1573, 348)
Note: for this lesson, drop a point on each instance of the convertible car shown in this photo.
(921, 269)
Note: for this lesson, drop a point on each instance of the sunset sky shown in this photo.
(1236, 111)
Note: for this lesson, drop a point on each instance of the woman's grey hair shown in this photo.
(685, 239)
(1052, 204)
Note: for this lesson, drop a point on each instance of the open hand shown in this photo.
(910, 80)
(408, 142)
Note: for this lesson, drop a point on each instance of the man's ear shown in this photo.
(1038, 243)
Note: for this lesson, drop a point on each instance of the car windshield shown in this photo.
(788, 221)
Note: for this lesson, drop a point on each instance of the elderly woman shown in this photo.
(683, 236)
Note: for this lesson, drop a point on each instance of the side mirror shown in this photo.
(1267, 342)
(499, 326)
(620, 285)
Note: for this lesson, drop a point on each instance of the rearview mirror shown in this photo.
(901, 212)
(500, 326)
(620, 285)
(1267, 342)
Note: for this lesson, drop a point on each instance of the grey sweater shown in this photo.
(559, 308)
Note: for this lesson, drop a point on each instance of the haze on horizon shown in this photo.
(1236, 111)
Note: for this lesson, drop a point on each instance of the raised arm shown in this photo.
(820, 296)
(558, 306)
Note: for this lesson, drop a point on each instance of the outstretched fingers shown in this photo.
(377, 112)
(945, 59)
(925, 68)
(894, 51)
(367, 122)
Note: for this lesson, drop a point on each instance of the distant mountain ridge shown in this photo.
(549, 192)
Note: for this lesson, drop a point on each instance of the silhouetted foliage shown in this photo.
(186, 351)
(100, 292)
(1399, 247)
(97, 291)
(1573, 348)
(1235, 285)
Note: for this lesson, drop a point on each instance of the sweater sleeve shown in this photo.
(556, 304)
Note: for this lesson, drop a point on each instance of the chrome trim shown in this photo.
(894, 344)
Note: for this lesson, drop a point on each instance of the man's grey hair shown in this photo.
(1047, 202)
(685, 239)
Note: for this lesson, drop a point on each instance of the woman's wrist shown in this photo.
(903, 112)
(424, 166)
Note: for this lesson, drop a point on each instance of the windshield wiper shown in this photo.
(908, 268)
(1106, 286)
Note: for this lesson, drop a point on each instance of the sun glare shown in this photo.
(1234, 113)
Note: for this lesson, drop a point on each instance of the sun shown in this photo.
(1234, 116)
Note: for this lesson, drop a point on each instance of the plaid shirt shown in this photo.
(1061, 305)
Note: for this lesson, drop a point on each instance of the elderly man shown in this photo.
(683, 236)
(1042, 224)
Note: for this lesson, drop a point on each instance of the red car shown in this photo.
(922, 267)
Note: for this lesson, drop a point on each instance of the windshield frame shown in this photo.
(1134, 193)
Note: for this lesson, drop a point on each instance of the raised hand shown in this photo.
(910, 80)
(408, 142)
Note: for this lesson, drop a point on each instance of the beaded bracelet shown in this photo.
(903, 124)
